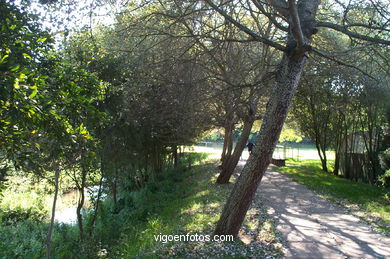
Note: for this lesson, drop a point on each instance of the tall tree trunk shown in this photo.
(339, 139)
(53, 212)
(81, 202)
(322, 156)
(230, 144)
(224, 147)
(114, 187)
(336, 163)
(230, 165)
(175, 156)
(278, 105)
(324, 161)
(96, 209)
(227, 143)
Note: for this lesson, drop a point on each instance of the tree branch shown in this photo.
(329, 57)
(380, 28)
(269, 16)
(343, 29)
(280, 6)
(244, 28)
(296, 24)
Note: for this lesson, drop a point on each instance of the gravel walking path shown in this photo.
(314, 227)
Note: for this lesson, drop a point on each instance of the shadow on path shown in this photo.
(314, 227)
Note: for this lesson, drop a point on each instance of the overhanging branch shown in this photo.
(244, 28)
(343, 29)
(330, 57)
(269, 16)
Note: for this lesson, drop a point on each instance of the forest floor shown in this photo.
(315, 227)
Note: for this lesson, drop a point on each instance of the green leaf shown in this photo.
(15, 68)
(33, 94)
(26, 56)
(41, 39)
(22, 76)
(16, 83)
(3, 59)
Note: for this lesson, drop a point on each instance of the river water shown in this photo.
(67, 205)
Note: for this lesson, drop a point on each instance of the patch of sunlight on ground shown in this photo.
(202, 193)
(215, 205)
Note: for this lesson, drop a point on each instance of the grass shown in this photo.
(369, 202)
(194, 207)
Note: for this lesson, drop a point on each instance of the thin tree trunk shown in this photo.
(324, 161)
(336, 163)
(338, 148)
(175, 156)
(53, 212)
(322, 157)
(80, 203)
(277, 108)
(230, 144)
(92, 222)
(114, 187)
(224, 147)
(230, 165)
(227, 144)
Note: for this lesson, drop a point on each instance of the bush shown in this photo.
(12, 216)
(384, 159)
(384, 179)
(25, 239)
(24, 228)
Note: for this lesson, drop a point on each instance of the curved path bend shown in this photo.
(314, 227)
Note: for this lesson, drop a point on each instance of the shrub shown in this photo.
(384, 159)
(384, 179)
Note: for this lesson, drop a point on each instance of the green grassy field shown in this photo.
(372, 203)
(297, 151)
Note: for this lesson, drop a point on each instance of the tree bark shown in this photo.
(324, 161)
(114, 187)
(230, 165)
(277, 108)
(336, 163)
(227, 144)
(175, 156)
(53, 212)
(81, 202)
(95, 212)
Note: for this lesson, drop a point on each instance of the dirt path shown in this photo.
(314, 227)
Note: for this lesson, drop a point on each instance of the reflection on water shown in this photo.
(67, 205)
(66, 216)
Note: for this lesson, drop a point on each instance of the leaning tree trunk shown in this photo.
(227, 144)
(278, 105)
(231, 163)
